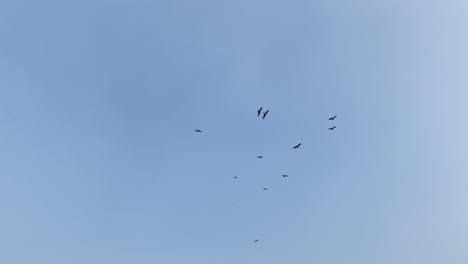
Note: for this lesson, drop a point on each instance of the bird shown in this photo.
(297, 146)
(265, 189)
(256, 240)
(265, 113)
(198, 130)
(331, 128)
(285, 176)
(259, 111)
(332, 118)
(235, 177)
(259, 157)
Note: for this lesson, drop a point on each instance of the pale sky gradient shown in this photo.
(99, 162)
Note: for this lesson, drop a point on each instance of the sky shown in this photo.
(99, 161)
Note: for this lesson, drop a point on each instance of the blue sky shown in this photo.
(99, 162)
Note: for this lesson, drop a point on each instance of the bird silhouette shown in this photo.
(259, 157)
(259, 111)
(265, 113)
(297, 146)
(265, 189)
(235, 177)
(332, 118)
(198, 130)
(331, 128)
(285, 176)
(256, 240)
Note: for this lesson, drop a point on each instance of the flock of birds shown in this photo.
(259, 112)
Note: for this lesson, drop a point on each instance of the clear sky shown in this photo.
(99, 162)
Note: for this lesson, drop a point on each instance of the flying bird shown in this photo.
(259, 111)
(331, 128)
(198, 130)
(297, 146)
(235, 177)
(259, 157)
(285, 176)
(265, 189)
(332, 118)
(265, 113)
(256, 240)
